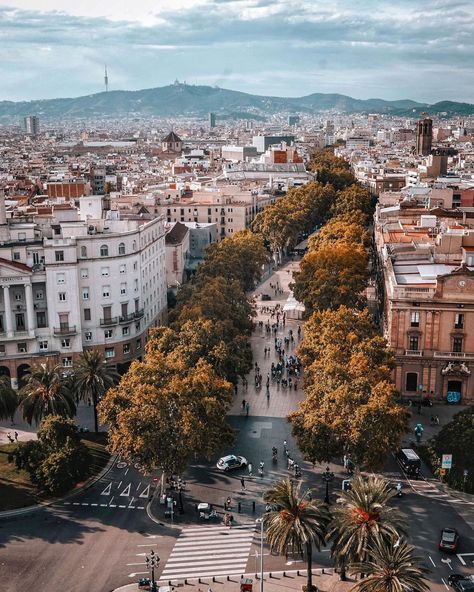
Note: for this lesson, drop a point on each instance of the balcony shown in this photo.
(65, 330)
(138, 314)
(126, 318)
(109, 321)
(415, 353)
(454, 355)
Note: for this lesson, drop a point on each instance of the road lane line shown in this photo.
(127, 470)
(76, 504)
(139, 485)
(110, 503)
(123, 507)
(434, 564)
(141, 563)
(118, 486)
(85, 504)
(95, 505)
(103, 505)
(445, 584)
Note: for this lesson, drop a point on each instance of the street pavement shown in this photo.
(97, 540)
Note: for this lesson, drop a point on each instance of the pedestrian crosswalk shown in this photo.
(210, 551)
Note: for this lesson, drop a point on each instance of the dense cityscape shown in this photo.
(236, 341)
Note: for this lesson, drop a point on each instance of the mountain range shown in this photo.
(184, 100)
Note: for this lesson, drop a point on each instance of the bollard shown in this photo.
(213, 578)
(284, 574)
(297, 572)
(185, 581)
(169, 582)
(239, 507)
(253, 506)
(228, 578)
(322, 570)
(199, 580)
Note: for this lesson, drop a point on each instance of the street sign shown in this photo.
(465, 472)
(447, 461)
(442, 472)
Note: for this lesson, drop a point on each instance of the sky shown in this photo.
(396, 49)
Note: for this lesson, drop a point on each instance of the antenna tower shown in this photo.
(106, 80)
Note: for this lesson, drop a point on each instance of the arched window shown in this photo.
(134, 245)
(122, 249)
(83, 251)
(411, 381)
(104, 251)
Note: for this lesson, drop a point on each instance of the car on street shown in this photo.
(449, 540)
(461, 582)
(231, 461)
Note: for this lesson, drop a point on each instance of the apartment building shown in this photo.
(93, 281)
(425, 280)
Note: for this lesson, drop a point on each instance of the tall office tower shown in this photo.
(293, 119)
(106, 80)
(212, 120)
(424, 135)
(32, 125)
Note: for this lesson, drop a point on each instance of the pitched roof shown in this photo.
(171, 137)
(20, 266)
(176, 235)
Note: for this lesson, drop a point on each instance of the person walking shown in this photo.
(16, 436)
(242, 484)
(247, 409)
(243, 404)
(250, 469)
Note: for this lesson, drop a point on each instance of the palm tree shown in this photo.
(390, 568)
(360, 517)
(93, 378)
(45, 393)
(296, 522)
(8, 398)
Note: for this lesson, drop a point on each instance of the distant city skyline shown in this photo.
(390, 50)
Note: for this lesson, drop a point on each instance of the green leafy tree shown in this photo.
(390, 567)
(239, 258)
(62, 469)
(331, 169)
(361, 517)
(55, 432)
(296, 523)
(8, 398)
(353, 199)
(93, 378)
(332, 276)
(45, 393)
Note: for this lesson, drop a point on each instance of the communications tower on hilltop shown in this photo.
(106, 80)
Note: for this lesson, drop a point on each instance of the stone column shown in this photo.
(8, 311)
(30, 309)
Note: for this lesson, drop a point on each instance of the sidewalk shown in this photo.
(281, 400)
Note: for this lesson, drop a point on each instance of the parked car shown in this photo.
(461, 582)
(449, 540)
(410, 462)
(232, 461)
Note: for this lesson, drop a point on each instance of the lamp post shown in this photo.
(260, 521)
(152, 561)
(327, 478)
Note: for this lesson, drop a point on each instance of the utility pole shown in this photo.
(106, 80)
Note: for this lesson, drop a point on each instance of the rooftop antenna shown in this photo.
(106, 80)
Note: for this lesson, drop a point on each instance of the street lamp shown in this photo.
(152, 562)
(327, 478)
(260, 521)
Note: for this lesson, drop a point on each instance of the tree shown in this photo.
(8, 398)
(45, 394)
(239, 257)
(62, 469)
(348, 228)
(390, 567)
(360, 518)
(332, 276)
(331, 169)
(353, 199)
(163, 413)
(296, 523)
(93, 378)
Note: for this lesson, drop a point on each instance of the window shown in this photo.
(135, 266)
(85, 293)
(135, 285)
(66, 343)
(104, 251)
(105, 291)
(139, 344)
(104, 271)
(22, 236)
(125, 330)
(123, 288)
(87, 314)
(121, 249)
(122, 269)
(39, 295)
(459, 321)
(88, 336)
(126, 348)
(22, 348)
(84, 273)
(413, 343)
(60, 278)
(457, 344)
(67, 362)
(62, 296)
(41, 320)
(108, 334)
(83, 252)
(18, 296)
(415, 318)
(16, 256)
(134, 246)
(59, 255)
(43, 345)
(109, 352)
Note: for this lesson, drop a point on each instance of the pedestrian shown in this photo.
(243, 404)
(250, 469)
(242, 483)
(10, 439)
(285, 445)
(247, 408)
(16, 436)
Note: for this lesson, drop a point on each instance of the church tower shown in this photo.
(424, 135)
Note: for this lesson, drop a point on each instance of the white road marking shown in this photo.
(123, 507)
(67, 503)
(139, 485)
(85, 504)
(95, 505)
(103, 506)
(145, 492)
(445, 584)
(110, 503)
(119, 485)
(126, 491)
(130, 564)
(127, 470)
(448, 561)
(107, 490)
(434, 564)
(461, 555)
(76, 504)
(138, 573)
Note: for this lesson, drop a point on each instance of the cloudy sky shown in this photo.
(392, 49)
